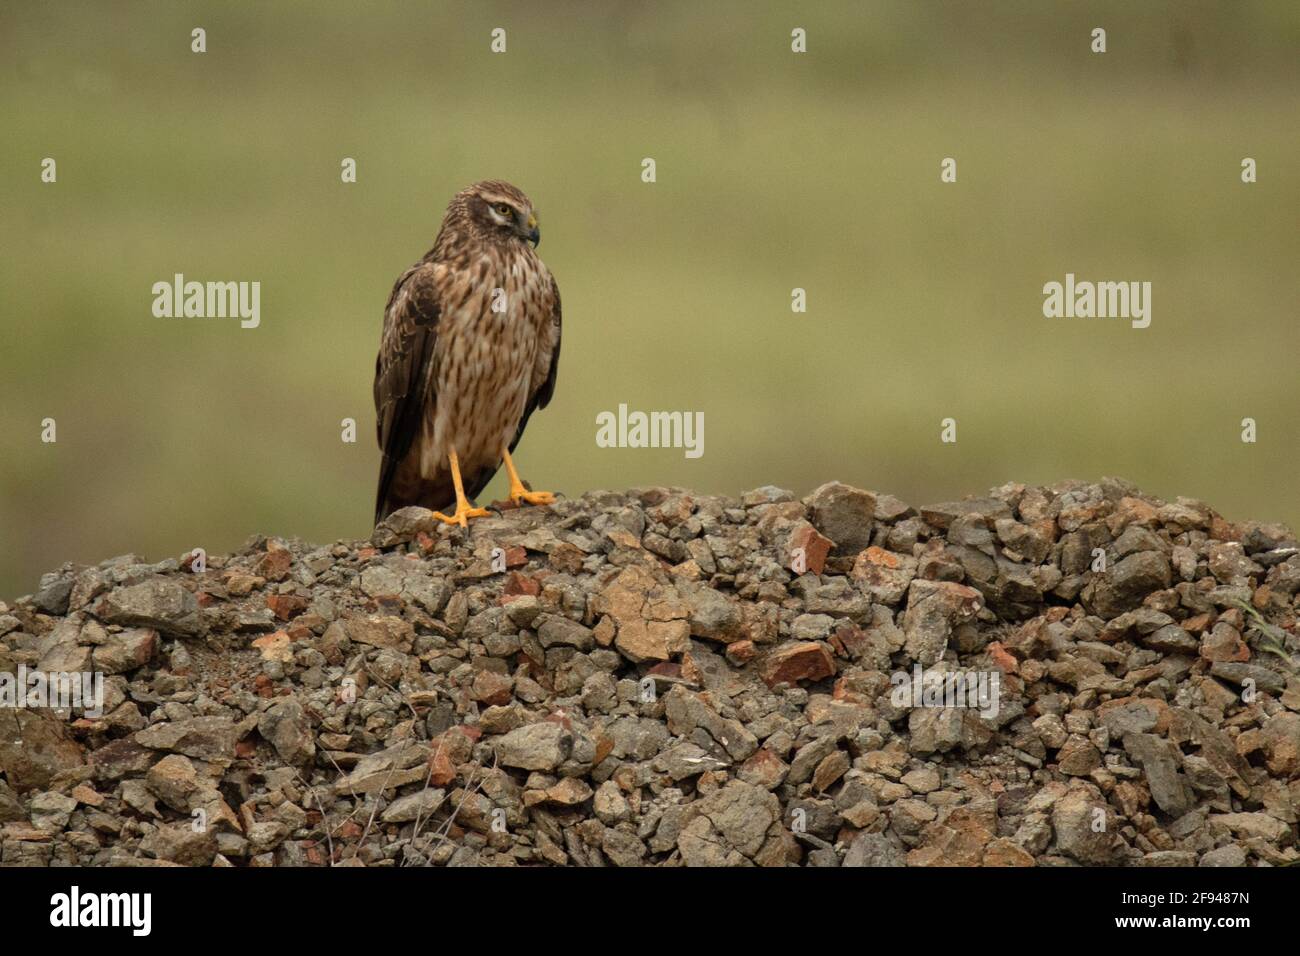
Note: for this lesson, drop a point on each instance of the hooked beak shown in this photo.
(534, 234)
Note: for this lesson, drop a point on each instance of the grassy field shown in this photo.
(775, 170)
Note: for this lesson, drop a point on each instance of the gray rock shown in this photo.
(34, 747)
(63, 655)
(51, 811)
(1161, 760)
(415, 806)
(945, 513)
(1170, 858)
(732, 827)
(266, 835)
(207, 738)
(286, 727)
(541, 746)
(403, 525)
(1074, 820)
(1254, 826)
(126, 651)
(844, 514)
(812, 627)
(560, 630)
(159, 603)
(684, 760)
(179, 843)
(765, 495)
(53, 596)
(175, 781)
(713, 616)
(622, 848)
(808, 757)
(1131, 718)
(1172, 639)
(1236, 673)
(1230, 855)
(875, 849)
(934, 608)
(941, 729)
(120, 758)
(1124, 585)
(685, 711)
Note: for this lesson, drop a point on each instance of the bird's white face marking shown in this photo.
(512, 215)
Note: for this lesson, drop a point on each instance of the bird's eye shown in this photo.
(503, 209)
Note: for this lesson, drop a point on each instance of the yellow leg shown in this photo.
(464, 511)
(518, 492)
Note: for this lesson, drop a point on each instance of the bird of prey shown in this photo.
(470, 346)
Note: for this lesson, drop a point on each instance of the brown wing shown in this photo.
(541, 395)
(404, 376)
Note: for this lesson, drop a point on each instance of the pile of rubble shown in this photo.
(1078, 674)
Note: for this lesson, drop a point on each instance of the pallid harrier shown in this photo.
(470, 346)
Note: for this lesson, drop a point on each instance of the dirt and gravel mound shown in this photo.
(1079, 674)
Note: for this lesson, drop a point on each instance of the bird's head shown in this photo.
(502, 211)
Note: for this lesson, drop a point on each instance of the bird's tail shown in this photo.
(383, 508)
(396, 492)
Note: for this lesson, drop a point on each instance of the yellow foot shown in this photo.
(518, 493)
(463, 513)
(522, 494)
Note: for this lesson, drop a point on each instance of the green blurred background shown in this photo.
(775, 170)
